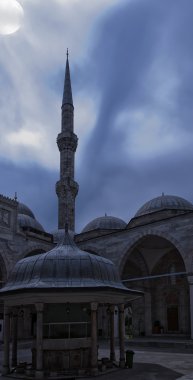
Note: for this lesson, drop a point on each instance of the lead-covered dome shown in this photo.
(105, 223)
(25, 210)
(26, 218)
(28, 222)
(65, 266)
(165, 202)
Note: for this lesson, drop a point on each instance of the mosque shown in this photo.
(153, 251)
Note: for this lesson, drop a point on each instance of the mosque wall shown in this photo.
(125, 249)
(155, 247)
(118, 245)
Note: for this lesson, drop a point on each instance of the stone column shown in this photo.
(39, 340)
(94, 348)
(6, 369)
(190, 280)
(148, 316)
(112, 334)
(14, 337)
(122, 336)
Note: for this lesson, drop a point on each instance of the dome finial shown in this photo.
(15, 197)
(67, 53)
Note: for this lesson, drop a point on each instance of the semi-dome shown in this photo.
(165, 202)
(65, 266)
(105, 223)
(26, 218)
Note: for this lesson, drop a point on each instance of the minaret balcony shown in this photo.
(66, 185)
(67, 141)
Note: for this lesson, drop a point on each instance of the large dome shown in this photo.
(105, 223)
(26, 218)
(165, 202)
(65, 266)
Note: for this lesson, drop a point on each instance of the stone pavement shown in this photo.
(153, 364)
(141, 371)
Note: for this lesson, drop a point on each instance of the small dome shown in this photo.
(165, 202)
(105, 223)
(28, 221)
(65, 266)
(26, 218)
(23, 209)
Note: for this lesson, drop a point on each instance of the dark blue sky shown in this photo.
(132, 80)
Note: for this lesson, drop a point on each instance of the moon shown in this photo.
(11, 14)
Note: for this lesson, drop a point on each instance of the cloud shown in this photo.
(141, 143)
(32, 65)
(32, 86)
(131, 70)
(25, 138)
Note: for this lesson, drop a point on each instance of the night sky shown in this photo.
(132, 79)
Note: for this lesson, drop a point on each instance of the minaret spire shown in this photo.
(67, 94)
(66, 187)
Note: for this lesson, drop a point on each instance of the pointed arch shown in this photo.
(148, 233)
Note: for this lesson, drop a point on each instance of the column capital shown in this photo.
(94, 306)
(39, 307)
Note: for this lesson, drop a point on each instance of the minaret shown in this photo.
(66, 187)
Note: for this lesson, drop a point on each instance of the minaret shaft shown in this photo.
(66, 187)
